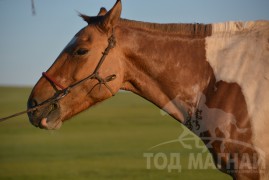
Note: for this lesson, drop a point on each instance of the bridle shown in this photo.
(95, 75)
(63, 91)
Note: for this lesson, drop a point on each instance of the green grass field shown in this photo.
(108, 141)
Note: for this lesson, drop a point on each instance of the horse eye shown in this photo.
(81, 52)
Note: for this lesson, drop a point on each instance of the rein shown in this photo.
(63, 91)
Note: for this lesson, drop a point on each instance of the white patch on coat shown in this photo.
(238, 52)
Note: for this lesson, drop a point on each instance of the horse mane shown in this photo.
(196, 29)
(234, 27)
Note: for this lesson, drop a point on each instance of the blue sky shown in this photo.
(30, 44)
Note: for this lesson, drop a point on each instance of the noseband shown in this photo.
(63, 91)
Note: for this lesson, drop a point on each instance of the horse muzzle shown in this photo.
(47, 117)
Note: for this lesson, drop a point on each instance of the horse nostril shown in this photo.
(32, 103)
(33, 113)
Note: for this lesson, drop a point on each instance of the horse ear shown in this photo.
(85, 17)
(112, 17)
(92, 19)
(102, 11)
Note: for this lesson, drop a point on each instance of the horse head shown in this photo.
(83, 73)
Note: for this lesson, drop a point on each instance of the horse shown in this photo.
(221, 68)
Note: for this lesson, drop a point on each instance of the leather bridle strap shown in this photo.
(94, 75)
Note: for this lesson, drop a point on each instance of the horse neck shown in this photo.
(165, 66)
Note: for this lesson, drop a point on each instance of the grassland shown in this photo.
(105, 142)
